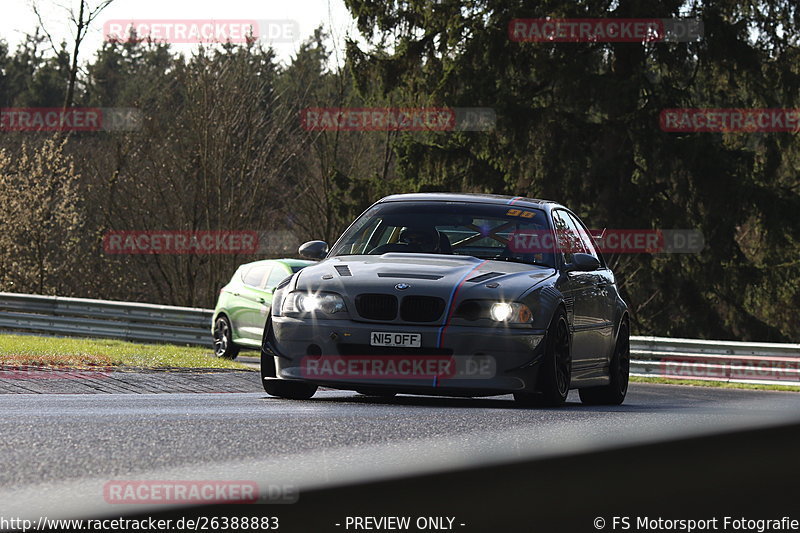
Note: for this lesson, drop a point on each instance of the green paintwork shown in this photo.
(247, 297)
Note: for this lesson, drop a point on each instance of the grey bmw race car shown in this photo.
(453, 294)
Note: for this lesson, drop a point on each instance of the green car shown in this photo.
(244, 304)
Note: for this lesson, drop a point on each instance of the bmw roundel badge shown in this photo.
(402, 286)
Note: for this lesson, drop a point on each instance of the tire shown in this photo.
(556, 371)
(267, 365)
(619, 370)
(377, 392)
(291, 390)
(282, 388)
(224, 346)
(267, 357)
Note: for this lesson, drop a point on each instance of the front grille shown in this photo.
(366, 349)
(377, 306)
(421, 308)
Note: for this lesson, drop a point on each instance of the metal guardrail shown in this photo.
(711, 360)
(105, 319)
(746, 362)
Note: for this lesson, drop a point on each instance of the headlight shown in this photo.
(305, 302)
(501, 311)
(510, 312)
(504, 312)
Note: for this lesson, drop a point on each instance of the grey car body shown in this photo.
(571, 329)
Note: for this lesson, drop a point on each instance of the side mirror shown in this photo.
(314, 249)
(583, 263)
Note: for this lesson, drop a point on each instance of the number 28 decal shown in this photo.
(520, 213)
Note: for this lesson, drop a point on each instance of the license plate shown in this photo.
(404, 340)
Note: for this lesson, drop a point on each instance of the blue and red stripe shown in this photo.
(450, 308)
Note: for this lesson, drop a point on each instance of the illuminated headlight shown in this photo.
(513, 312)
(304, 302)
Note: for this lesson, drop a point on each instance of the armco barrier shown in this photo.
(81, 317)
(713, 360)
(748, 362)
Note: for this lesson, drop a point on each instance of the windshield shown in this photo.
(485, 231)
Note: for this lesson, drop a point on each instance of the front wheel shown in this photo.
(223, 339)
(380, 393)
(267, 356)
(555, 374)
(282, 388)
(619, 370)
(291, 390)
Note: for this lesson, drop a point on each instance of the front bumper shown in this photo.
(484, 360)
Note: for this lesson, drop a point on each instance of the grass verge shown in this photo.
(717, 384)
(90, 353)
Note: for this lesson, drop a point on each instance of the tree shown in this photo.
(81, 20)
(211, 156)
(30, 78)
(578, 122)
(41, 219)
(337, 174)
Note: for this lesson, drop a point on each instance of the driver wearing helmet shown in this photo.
(422, 239)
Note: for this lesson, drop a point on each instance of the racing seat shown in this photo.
(444, 244)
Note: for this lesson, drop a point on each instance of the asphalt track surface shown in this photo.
(59, 451)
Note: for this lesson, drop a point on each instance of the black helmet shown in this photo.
(426, 239)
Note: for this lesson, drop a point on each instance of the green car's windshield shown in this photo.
(486, 231)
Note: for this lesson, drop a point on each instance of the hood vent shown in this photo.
(484, 277)
(343, 270)
(408, 275)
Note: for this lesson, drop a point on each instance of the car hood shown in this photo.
(424, 274)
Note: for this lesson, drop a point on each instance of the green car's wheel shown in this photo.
(223, 339)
